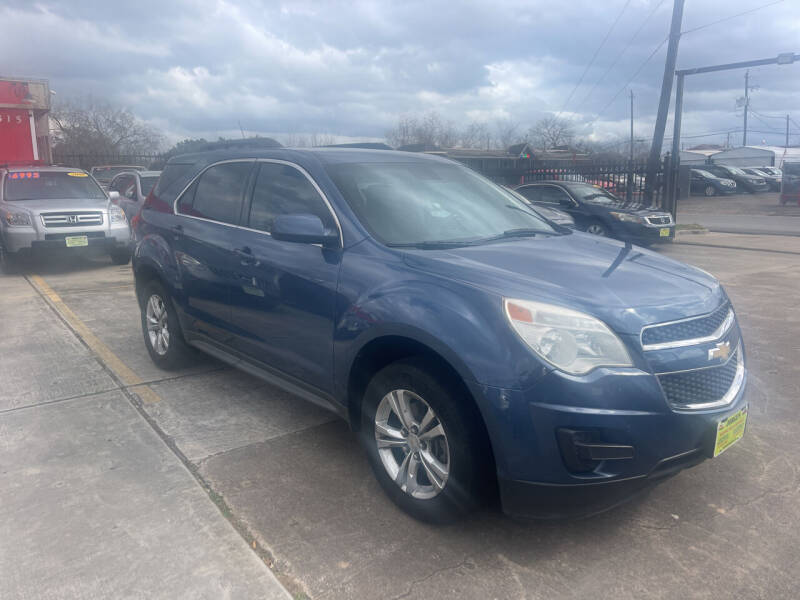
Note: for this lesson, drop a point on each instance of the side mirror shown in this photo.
(303, 229)
(113, 196)
(565, 202)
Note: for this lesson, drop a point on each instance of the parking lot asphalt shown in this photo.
(120, 480)
(759, 214)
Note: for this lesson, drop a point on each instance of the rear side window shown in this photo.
(218, 193)
(284, 190)
(531, 193)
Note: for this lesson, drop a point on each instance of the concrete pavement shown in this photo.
(756, 214)
(93, 503)
(294, 480)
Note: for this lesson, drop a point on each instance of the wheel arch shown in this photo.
(383, 350)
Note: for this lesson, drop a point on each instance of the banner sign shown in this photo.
(27, 94)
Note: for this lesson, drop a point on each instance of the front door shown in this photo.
(284, 301)
(204, 239)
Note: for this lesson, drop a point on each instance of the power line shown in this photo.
(616, 59)
(747, 12)
(634, 76)
(756, 115)
(594, 56)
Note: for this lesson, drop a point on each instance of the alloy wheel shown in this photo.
(157, 326)
(412, 444)
(710, 191)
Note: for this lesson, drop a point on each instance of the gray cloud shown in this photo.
(199, 67)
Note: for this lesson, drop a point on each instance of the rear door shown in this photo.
(283, 303)
(205, 239)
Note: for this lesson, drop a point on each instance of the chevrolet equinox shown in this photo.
(477, 349)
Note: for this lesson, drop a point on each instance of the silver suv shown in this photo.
(58, 208)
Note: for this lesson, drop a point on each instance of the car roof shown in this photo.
(321, 155)
(137, 167)
(546, 181)
(139, 173)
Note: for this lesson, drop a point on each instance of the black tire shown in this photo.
(120, 256)
(709, 191)
(9, 263)
(471, 479)
(596, 228)
(176, 353)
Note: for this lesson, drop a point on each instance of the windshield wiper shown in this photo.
(432, 244)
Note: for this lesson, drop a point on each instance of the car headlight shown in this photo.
(569, 340)
(18, 219)
(116, 214)
(627, 217)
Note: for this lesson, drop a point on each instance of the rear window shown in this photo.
(108, 173)
(50, 185)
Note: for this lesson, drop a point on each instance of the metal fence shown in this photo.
(625, 179)
(87, 161)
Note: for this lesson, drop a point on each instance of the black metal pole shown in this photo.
(746, 102)
(663, 103)
(676, 141)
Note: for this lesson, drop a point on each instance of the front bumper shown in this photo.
(615, 409)
(643, 234)
(28, 239)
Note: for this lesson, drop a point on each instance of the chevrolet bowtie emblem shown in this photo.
(721, 351)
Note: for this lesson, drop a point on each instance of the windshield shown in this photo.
(147, 184)
(44, 185)
(593, 195)
(734, 170)
(416, 203)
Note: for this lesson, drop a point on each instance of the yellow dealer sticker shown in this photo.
(730, 431)
(77, 174)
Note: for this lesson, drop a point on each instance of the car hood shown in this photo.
(40, 206)
(626, 286)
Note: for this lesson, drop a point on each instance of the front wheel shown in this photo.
(425, 443)
(710, 191)
(163, 337)
(8, 262)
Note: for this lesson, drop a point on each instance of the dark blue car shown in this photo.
(475, 347)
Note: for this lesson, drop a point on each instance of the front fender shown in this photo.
(463, 324)
(154, 253)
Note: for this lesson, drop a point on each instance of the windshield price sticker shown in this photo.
(76, 174)
(26, 175)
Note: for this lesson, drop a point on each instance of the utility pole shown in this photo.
(629, 187)
(786, 145)
(787, 125)
(746, 103)
(663, 103)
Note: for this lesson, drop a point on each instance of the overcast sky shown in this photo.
(199, 67)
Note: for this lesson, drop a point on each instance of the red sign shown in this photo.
(16, 136)
(24, 94)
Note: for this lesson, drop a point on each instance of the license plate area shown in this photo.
(75, 241)
(664, 232)
(729, 431)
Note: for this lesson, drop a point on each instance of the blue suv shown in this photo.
(477, 349)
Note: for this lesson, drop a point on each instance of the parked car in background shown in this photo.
(708, 184)
(105, 173)
(771, 170)
(773, 181)
(597, 211)
(470, 344)
(58, 209)
(559, 217)
(130, 188)
(790, 184)
(744, 181)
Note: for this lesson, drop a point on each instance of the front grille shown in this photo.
(60, 236)
(687, 329)
(702, 386)
(72, 219)
(665, 220)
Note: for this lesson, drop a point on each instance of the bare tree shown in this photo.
(477, 135)
(550, 132)
(428, 129)
(506, 133)
(85, 126)
(404, 132)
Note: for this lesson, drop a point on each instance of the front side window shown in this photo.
(553, 195)
(218, 193)
(51, 185)
(283, 190)
(425, 202)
